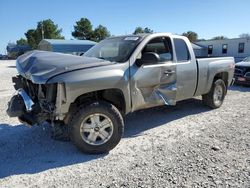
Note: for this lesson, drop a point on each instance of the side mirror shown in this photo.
(148, 58)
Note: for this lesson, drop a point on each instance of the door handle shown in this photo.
(169, 72)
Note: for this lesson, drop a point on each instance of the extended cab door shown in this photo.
(154, 84)
(186, 68)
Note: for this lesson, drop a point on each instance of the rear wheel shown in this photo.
(96, 127)
(216, 95)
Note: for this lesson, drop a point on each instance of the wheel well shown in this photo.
(223, 76)
(114, 96)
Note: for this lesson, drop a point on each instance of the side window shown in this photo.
(210, 49)
(224, 48)
(181, 50)
(161, 46)
(241, 47)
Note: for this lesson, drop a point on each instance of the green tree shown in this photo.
(46, 29)
(147, 30)
(31, 38)
(191, 35)
(219, 38)
(138, 30)
(100, 33)
(83, 29)
(141, 30)
(22, 41)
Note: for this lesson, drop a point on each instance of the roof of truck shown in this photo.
(143, 35)
(131, 35)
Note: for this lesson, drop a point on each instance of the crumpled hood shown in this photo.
(39, 66)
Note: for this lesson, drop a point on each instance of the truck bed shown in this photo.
(207, 68)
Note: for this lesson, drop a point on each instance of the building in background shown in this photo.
(15, 50)
(77, 47)
(3, 57)
(200, 51)
(239, 48)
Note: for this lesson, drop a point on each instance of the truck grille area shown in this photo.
(43, 96)
(247, 75)
(37, 92)
(242, 75)
(30, 88)
(242, 71)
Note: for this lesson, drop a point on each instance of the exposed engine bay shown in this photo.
(32, 103)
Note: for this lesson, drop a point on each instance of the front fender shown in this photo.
(77, 83)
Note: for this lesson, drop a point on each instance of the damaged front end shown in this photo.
(32, 103)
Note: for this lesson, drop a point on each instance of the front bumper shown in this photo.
(19, 104)
(242, 80)
(22, 106)
(32, 103)
(26, 99)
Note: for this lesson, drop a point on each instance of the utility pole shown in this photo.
(42, 31)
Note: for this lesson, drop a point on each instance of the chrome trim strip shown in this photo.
(27, 100)
(241, 71)
(247, 74)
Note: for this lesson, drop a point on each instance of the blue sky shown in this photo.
(208, 18)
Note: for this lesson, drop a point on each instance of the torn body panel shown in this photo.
(168, 99)
(153, 85)
(36, 101)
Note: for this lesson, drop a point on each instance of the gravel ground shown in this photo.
(184, 146)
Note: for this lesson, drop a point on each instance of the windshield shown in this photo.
(116, 49)
(247, 59)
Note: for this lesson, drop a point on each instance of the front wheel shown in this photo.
(96, 127)
(216, 95)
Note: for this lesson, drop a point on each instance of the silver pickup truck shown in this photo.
(87, 97)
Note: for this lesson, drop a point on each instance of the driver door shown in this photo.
(154, 84)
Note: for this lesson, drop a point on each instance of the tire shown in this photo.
(90, 122)
(214, 99)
